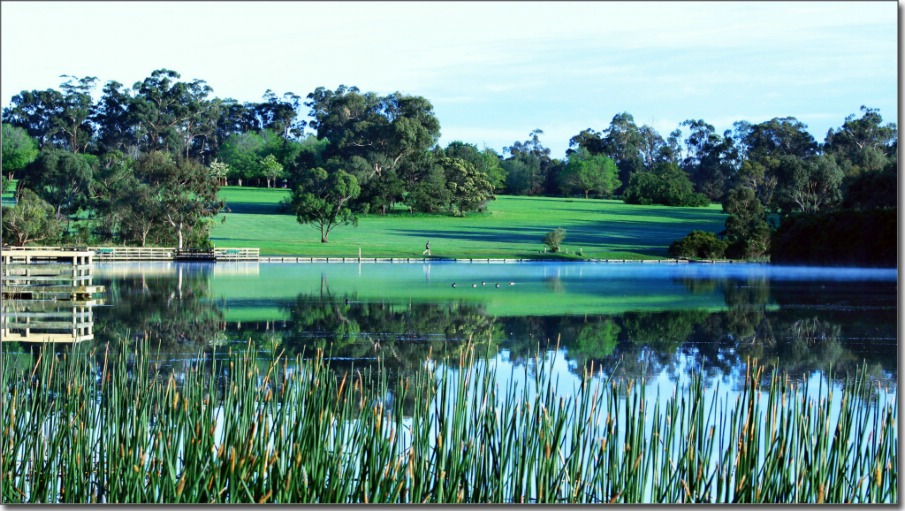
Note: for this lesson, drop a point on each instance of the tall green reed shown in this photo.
(236, 428)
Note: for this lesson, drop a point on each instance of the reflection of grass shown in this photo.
(513, 227)
(248, 430)
(533, 294)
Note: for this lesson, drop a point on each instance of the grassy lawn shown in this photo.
(511, 228)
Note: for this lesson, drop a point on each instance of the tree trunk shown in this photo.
(179, 235)
(324, 234)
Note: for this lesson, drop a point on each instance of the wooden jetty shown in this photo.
(48, 295)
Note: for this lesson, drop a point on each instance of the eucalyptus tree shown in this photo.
(31, 220)
(780, 136)
(808, 185)
(18, 149)
(587, 173)
(78, 108)
(655, 149)
(623, 142)
(379, 131)
(486, 162)
(38, 113)
(747, 230)
(116, 125)
(538, 168)
(322, 199)
(61, 178)
(469, 188)
(863, 144)
(709, 158)
(168, 112)
(280, 115)
(184, 194)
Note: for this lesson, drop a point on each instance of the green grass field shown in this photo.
(512, 227)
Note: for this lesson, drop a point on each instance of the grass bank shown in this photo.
(83, 429)
(512, 227)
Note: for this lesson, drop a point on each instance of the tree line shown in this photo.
(143, 164)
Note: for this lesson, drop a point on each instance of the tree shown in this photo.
(664, 184)
(18, 150)
(808, 185)
(382, 131)
(78, 108)
(219, 171)
(541, 170)
(62, 178)
(280, 116)
(168, 113)
(184, 194)
(747, 231)
(523, 174)
(486, 162)
(786, 136)
(322, 199)
(623, 142)
(554, 239)
(469, 189)
(863, 145)
(115, 123)
(32, 219)
(708, 159)
(588, 173)
(271, 169)
(38, 113)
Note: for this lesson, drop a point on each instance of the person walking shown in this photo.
(427, 248)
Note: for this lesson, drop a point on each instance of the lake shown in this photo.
(669, 326)
(626, 318)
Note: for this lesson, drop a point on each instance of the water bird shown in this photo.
(497, 284)
(453, 284)
(482, 282)
(512, 283)
(474, 285)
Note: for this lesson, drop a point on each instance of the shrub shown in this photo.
(699, 244)
(554, 238)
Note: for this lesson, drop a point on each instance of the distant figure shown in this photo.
(497, 284)
(482, 282)
(427, 248)
(454, 284)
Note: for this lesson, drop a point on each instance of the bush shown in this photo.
(699, 244)
(665, 184)
(554, 238)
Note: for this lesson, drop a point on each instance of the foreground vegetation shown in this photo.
(107, 428)
(512, 227)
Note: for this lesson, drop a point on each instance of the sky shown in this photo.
(494, 71)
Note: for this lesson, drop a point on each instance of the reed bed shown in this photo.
(84, 428)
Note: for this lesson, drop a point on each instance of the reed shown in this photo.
(108, 427)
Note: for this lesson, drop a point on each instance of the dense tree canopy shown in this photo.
(142, 164)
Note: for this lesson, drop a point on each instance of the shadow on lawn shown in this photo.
(614, 235)
(254, 208)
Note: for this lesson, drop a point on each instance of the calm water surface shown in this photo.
(652, 320)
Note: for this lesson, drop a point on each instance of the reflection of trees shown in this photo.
(172, 311)
(402, 335)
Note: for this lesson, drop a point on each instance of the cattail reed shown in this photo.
(79, 430)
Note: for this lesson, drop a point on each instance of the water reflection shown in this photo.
(713, 321)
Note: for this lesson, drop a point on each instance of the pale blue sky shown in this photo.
(494, 71)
